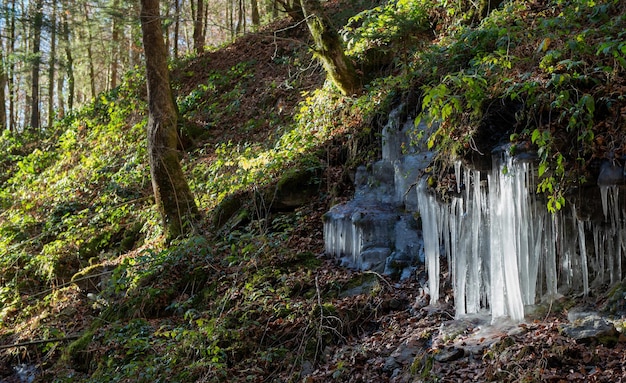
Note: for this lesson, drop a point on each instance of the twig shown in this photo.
(379, 276)
(46, 291)
(40, 341)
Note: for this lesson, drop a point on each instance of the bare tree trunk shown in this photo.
(240, 27)
(51, 64)
(329, 50)
(177, 9)
(11, 70)
(231, 23)
(171, 191)
(3, 82)
(69, 63)
(92, 70)
(34, 89)
(254, 11)
(115, 46)
(293, 9)
(198, 41)
(60, 101)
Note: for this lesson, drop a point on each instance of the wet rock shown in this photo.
(449, 355)
(610, 174)
(404, 354)
(591, 329)
(362, 284)
(374, 259)
(376, 230)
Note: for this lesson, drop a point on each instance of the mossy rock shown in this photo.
(78, 354)
(90, 278)
(296, 188)
(232, 210)
(366, 283)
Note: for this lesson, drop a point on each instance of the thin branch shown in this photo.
(40, 341)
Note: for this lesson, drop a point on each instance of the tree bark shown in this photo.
(115, 45)
(171, 191)
(198, 38)
(11, 69)
(240, 27)
(329, 50)
(34, 89)
(292, 8)
(176, 26)
(90, 58)
(254, 11)
(3, 82)
(69, 61)
(51, 64)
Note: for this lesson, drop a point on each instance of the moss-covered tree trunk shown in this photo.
(173, 196)
(329, 49)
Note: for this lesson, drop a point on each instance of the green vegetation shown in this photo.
(251, 300)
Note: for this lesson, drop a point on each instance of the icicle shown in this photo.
(617, 231)
(603, 195)
(583, 254)
(429, 212)
(550, 258)
(473, 230)
(457, 175)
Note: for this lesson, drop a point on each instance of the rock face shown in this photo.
(377, 230)
(591, 328)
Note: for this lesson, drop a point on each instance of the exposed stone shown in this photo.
(610, 174)
(295, 189)
(375, 259)
(592, 329)
(92, 278)
(449, 355)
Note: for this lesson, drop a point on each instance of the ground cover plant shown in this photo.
(89, 293)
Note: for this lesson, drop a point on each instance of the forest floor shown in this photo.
(383, 329)
(398, 337)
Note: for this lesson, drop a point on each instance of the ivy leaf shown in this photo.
(542, 168)
(535, 136)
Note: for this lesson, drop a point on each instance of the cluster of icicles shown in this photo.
(505, 251)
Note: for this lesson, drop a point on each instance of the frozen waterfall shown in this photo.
(377, 229)
(505, 251)
(494, 239)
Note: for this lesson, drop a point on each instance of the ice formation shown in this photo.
(505, 251)
(502, 250)
(377, 230)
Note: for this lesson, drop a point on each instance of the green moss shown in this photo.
(77, 354)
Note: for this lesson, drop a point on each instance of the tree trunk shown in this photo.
(115, 45)
(486, 6)
(69, 63)
(176, 26)
(11, 69)
(329, 50)
(256, 18)
(3, 82)
(171, 191)
(92, 69)
(51, 64)
(198, 41)
(34, 89)
(239, 29)
(292, 8)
